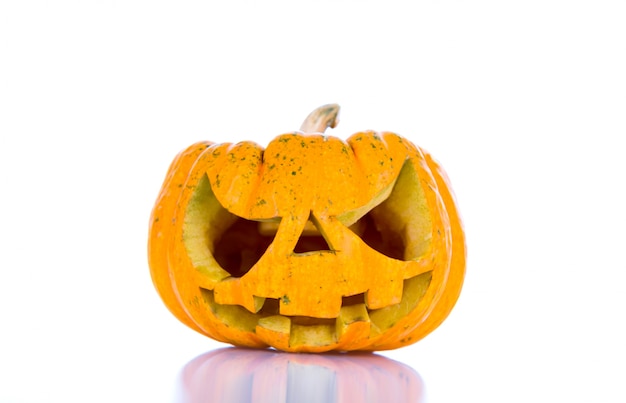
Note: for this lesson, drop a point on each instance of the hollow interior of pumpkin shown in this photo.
(222, 245)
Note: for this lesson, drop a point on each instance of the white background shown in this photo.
(524, 103)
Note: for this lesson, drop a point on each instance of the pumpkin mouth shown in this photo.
(223, 247)
(354, 317)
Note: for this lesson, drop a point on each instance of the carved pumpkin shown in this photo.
(242, 375)
(311, 244)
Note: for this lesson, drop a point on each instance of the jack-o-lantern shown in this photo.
(311, 244)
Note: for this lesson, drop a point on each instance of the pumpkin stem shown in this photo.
(321, 118)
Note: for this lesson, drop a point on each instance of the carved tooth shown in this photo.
(350, 314)
(300, 305)
(414, 289)
(353, 323)
(258, 303)
(231, 292)
(276, 323)
(312, 336)
(275, 331)
(384, 295)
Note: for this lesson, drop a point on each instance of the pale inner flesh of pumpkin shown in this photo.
(222, 246)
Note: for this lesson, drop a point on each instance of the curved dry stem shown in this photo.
(320, 119)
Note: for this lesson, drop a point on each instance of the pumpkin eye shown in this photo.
(398, 226)
(241, 246)
(378, 236)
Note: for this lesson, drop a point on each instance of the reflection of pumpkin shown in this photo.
(312, 244)
(241, 375)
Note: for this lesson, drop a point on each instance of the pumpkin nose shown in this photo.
(311, 238)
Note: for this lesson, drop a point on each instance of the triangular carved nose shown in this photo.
(312, 238)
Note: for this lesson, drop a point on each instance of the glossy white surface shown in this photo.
(235, 375)
(524, 105)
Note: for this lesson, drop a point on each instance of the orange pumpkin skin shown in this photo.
(374, 292)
